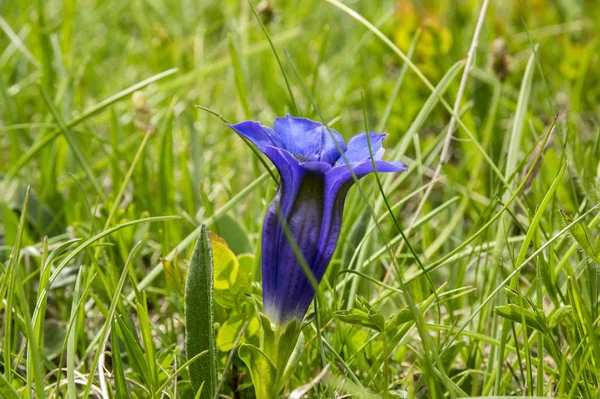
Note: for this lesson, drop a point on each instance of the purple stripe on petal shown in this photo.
(337, 183)
(304, 221)
(292, 175)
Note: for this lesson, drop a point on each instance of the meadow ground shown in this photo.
(494, 292)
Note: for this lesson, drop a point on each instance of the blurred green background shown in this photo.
(98, 116)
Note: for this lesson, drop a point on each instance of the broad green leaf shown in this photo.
(54, 335)
(253, 327)
(264, 374)
(280, 344)
(450, 355)
(225, 266)
(228, 333)
(358, 338)
(511, 295)
(199, 317)
(246, 262)
(234, 234)
(6, 390)
(548, 279)
(230, 280)
(514, 298)
(10, 223)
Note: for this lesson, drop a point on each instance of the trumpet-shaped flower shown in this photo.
(316, 169)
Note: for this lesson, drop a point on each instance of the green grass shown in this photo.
(108, 169)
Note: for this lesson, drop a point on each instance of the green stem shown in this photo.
(386, 376)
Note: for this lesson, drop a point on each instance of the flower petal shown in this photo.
(337, 183)
(310, 198)
(358, 148)
(309, 140)
(261, 136)
(322, 167)
(287, 165)
(304, 220)
(341, 174)
(292, 175)
(331, 202)
(299, 200)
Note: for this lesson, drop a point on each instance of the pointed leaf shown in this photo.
(199, 317)
(118, 374)
(267, 336)
(516, 314)
(292, 363)
(582, 234)
(403, 316)
(134, 350)
(560, 316)
(286, 343)
(359, 317)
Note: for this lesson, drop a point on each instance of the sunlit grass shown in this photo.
(108, 169)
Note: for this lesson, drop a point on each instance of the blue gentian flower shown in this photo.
(315, 179)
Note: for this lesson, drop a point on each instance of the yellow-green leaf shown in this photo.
(262, 371)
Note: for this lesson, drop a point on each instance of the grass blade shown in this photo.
(120, 383)
(287, 83)
(85, 115)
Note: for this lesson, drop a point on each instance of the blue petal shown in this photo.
(337, 183)
(321, 167)
(309, 140)
(341, 175)
(261, 136)
(311, 196)
(294, 291)
(358, 148)
(299, 200)
(287, 165)
(273, 237)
